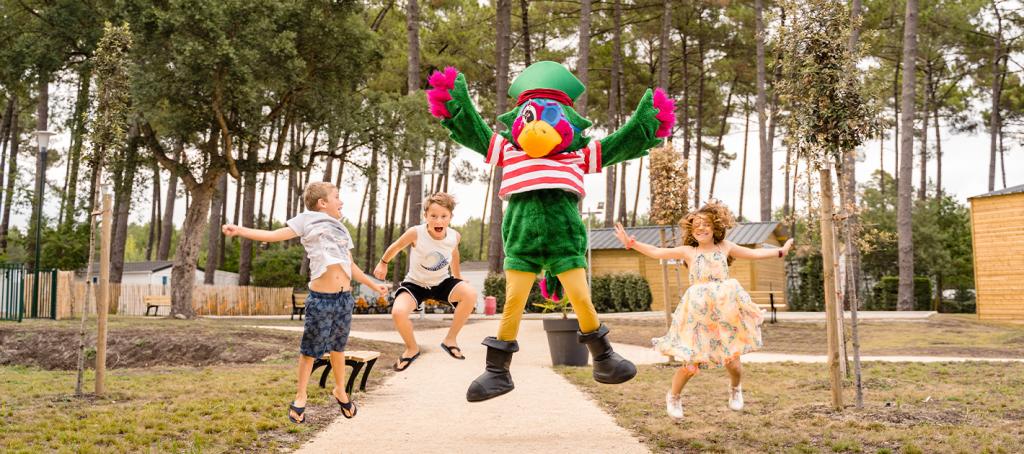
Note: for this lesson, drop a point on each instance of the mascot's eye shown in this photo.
(529, 113)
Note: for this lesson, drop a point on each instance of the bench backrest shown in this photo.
(299, 299)
(157, 300)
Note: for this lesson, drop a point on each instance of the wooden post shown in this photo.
(840, 319)
(664, 281)
(828, 259)
(104, 298)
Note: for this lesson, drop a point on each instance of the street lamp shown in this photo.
(43, 140)
(599, 210)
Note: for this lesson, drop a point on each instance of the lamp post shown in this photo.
(586, 214)
(43, 141)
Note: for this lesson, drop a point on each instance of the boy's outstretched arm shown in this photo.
(266, 236)
(361, 277)
(381, 270)
(654, 252)
(741, 252)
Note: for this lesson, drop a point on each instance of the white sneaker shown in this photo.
(674, 405)
(736, 398)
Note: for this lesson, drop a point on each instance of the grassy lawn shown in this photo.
(188, 394)
(909, 408)
(940, 335)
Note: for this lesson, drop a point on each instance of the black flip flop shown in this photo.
(407, 361)
(298, 411)
(448, 350)
(349, 406)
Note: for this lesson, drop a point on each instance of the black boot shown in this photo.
(609, 367)
(496, 379)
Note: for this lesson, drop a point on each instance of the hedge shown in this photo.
(626, 292)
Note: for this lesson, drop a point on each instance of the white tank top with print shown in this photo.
(430, 259)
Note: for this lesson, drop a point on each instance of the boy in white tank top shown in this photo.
(433, 274)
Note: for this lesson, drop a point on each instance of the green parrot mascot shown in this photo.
(544, 154)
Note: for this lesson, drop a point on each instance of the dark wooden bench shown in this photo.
(155, 302)
(299, 304)
(355, 359)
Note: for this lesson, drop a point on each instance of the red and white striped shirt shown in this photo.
(559, 171)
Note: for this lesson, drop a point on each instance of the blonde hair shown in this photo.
(717, 214)
(315, 191)
(441, 198)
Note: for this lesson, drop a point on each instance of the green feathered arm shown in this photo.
(449, 101)
(651, 121)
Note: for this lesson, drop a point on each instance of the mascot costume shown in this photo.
(544, 154)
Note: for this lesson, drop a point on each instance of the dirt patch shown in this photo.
(888, 413)
(385, 324)
(188, 344)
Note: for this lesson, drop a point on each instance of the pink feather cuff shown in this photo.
(666, 113)
(441, 83)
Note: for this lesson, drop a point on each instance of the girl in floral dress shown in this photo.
(716, 321)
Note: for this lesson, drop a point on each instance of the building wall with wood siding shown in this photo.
(997, 234)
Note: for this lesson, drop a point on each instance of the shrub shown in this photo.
(627, 292)
(884, 295)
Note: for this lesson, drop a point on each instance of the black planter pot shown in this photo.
(565, 349)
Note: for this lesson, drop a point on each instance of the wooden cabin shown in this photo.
(997, 237)
(763, 279)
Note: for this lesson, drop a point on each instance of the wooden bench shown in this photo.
(355, 359)
(299, 304)
(770, 301)
(155, 302)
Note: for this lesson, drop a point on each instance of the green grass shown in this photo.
(909, 407)
(222, 407)
(940, 335)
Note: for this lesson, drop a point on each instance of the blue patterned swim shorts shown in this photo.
(328, 322)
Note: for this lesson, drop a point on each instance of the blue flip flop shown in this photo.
(448, 350)
(406, 361)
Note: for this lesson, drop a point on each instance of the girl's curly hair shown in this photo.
(717, 214)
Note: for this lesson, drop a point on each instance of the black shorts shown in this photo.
(440, 292)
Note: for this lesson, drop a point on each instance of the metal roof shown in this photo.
(1005, 191)
(745, 233)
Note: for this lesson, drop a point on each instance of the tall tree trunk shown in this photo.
(371, 218)
(213, 232)
(664, 41)
(42, 115)
(622, 194)
(412, 27)
(12, 175)
(922, 191)
(263, 192)
(896, 124)
(716, 159)
(905, 298)
(762, 117)
(122, 206)
(245, 255)
(636, 197)
(167, 228)
(273, 203)
(359, 223)
(583, 60)
(686, 101)
(852, 227)
(483, 217)
(997, 88)
(70, 199)
(524, 9)
(743, 171)
(495, 251)
(5, 136)
(938, 153)
(613, 108)
(183, 272)
(154, 214)
(699, 134)
(393, 214)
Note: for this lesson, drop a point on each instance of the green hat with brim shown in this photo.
(549, 75)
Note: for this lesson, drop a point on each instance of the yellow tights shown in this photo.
(517, 289)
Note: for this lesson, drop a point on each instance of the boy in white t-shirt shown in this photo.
(329, 304)
(435, 249)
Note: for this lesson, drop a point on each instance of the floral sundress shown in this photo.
(715, 321)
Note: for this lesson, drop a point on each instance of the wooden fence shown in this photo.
(129, 299)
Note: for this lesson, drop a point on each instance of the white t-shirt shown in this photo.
(326, 240)
(430, 259)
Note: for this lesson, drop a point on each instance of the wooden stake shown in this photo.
(103, 301)
(828, 259)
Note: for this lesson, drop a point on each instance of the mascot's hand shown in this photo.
(656, 109)
(448, 93)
